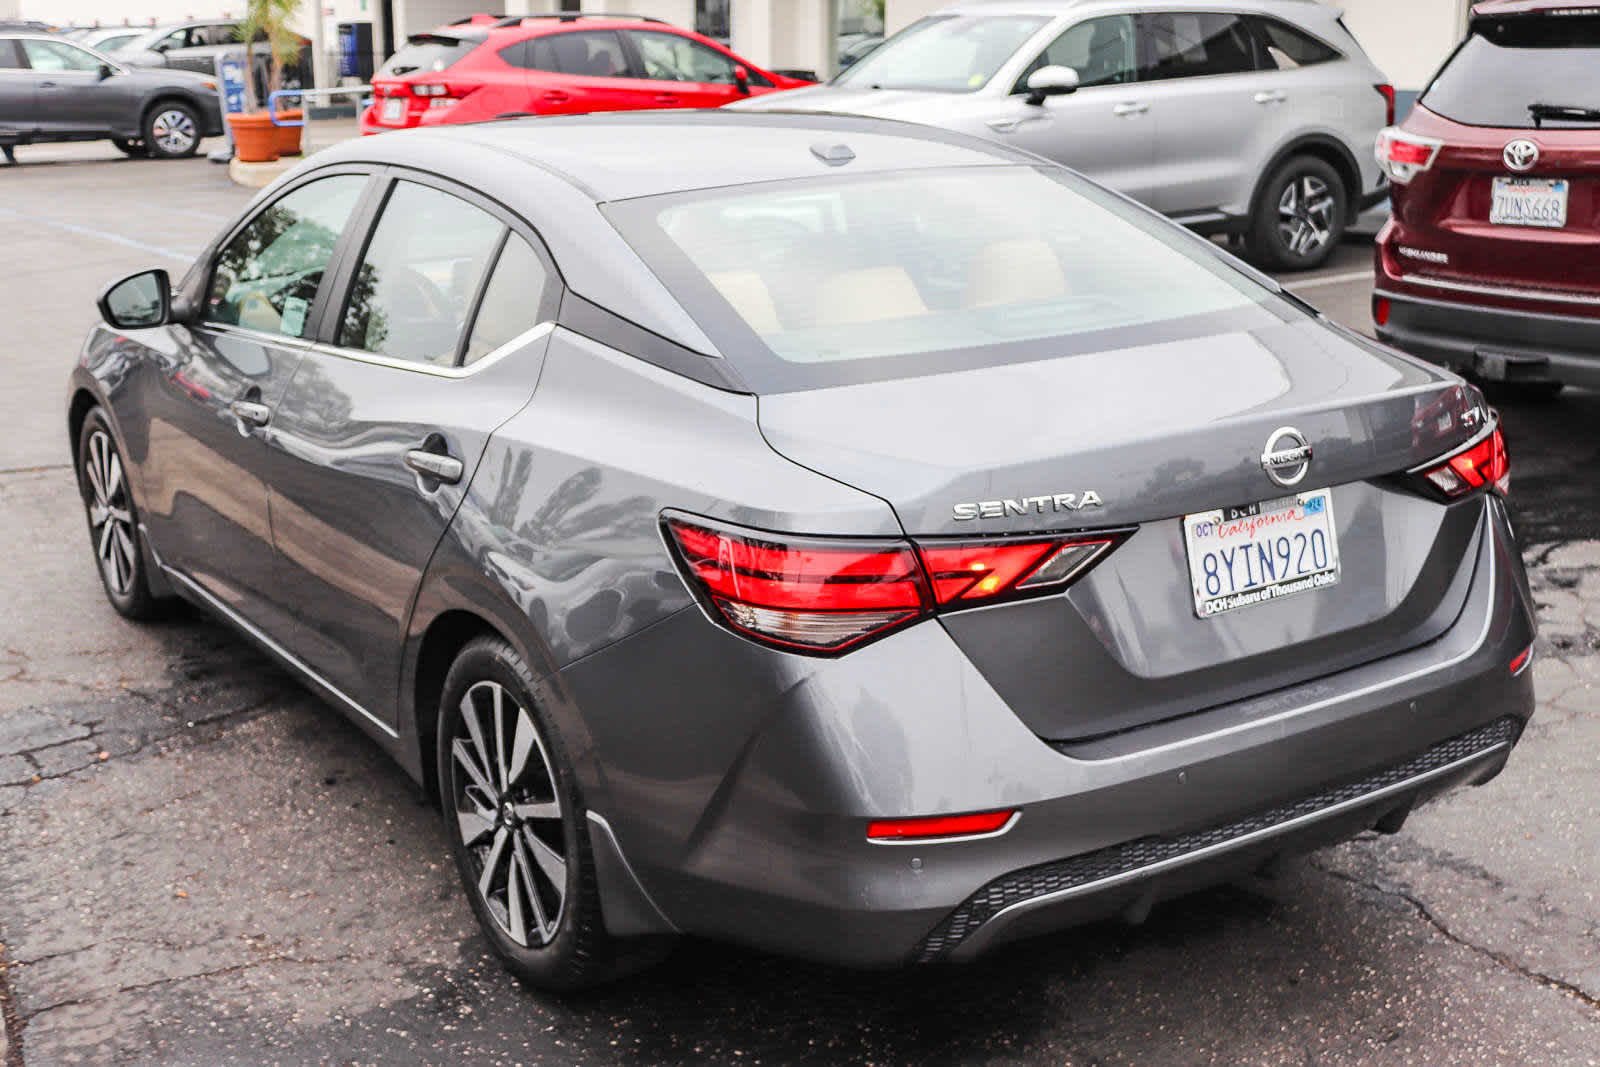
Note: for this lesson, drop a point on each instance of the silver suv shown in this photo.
(1253, 118)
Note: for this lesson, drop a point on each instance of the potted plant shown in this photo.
(255, 138)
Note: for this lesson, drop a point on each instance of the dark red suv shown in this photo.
(1491, 262)
(483, 68)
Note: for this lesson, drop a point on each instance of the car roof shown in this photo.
(623, 155)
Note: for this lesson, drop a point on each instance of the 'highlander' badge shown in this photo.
(1027, 505)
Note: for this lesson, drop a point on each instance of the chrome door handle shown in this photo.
(250, 411)
(1130, 109)
(446, 469)
(1274, 96)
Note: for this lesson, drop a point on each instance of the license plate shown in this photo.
(1529, 202)
(394, 109)
(1248, 555)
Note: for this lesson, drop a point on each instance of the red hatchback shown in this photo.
(1491, 262)
(556, 65)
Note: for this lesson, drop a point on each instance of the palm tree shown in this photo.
(269, 19)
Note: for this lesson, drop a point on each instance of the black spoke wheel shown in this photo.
(113, 519)
(1300, 216)
(517, 828)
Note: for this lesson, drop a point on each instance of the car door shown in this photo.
(1206, 97)
(576, 71)
(1104, 129)
(681, 72)
(210, 410)
(18, 115)
(70, 94)
(439, 339)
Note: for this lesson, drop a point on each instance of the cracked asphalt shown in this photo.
(200, 863)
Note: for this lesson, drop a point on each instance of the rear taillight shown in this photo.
(1483, 463)
(1405, 155)
(435, 94)
(825, 596)
(1387, 92)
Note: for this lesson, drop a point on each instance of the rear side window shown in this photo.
(1185, 44)
(511, 301)
(582, 53)
(1288, 48)
(428, 52)
(1523, 73)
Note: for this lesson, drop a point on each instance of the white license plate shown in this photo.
(1256, 553)
(1529, 202)
(394, 109)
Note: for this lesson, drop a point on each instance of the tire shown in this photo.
(171, 130)
(113, 519)
(560, 943)
(131, 147)
(1300, 217)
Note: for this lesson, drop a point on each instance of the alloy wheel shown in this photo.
(174, 130)
(509, 814)
(110, 516)
(1306, 215)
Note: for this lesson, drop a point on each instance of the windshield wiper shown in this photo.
(1570, 113)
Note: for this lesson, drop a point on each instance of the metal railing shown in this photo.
(310, 96)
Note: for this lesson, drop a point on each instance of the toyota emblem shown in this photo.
(1287, 458)
(1520, 155)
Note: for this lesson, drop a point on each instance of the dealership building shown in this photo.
(1407, 38)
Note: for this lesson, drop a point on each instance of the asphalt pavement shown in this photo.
(200, 863)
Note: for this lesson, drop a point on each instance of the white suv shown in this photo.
(1254, 118)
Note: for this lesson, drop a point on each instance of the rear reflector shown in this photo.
(824, 595)
(1520, 661)
(1483, 463)
(1380, 310)
(939, 826)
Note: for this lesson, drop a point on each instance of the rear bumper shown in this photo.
(740, 788)
(1494, 343)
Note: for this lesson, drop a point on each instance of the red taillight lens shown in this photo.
(1387, 92)
(1403, 155)
(1520, 661)
(825, 596)
(1380, 310)
(1485, 463)
(937, 826)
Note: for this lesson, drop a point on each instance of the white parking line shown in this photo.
(104, 235)
(1331, 279)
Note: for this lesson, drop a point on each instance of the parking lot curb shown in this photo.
(257, 175)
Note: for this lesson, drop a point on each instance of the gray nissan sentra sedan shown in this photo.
(837, 536)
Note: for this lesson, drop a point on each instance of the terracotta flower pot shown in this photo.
(255, 138)
(289, 136)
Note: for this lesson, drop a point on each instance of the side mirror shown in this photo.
(138, 301)
(106, 70)
(1051, 81)
(741, 78)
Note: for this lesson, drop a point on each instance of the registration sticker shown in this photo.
(1255, 553)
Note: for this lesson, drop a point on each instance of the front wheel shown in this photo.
(1300, 217)
(171, 131)
(516, 824)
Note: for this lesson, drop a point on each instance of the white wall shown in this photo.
(1408, 39)
(898, 14)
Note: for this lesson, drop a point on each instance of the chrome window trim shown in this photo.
(1512, 292)
(526, 337)
(247, 333)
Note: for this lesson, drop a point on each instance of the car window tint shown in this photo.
(57, 55)
(421, 270)
(10, 55)
(428, 52)
(1510, 64)
(511, 300)
(1103, 51)
(536, 53)
(669, 57)
(266, 278)
(589, 53)
(1187, 44)
(1288, 48)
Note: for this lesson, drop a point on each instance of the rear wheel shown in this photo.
(130, 146)
(113, 520)
(517, 827)
(1300, 217)
(171, 131)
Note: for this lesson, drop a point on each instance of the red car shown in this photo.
(1491, 261)
(556, 65)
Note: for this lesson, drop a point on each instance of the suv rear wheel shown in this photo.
(171, 130)
(1300, 215)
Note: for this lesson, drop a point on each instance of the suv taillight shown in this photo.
(826, 596)
(1387, 92)
(1483, 462)
(1405, 155)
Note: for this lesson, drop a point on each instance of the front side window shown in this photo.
(945, 53)
(1187, 44)
(668, 57)
(1103, 51)
(511, 301)
(266, 278)
(58, 55)
(422, 268)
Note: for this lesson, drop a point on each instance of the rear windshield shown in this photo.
(1508, 66)
(830, 281)
(947, 53)
(428, 52)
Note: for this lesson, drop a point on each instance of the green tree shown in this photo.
(271, 21)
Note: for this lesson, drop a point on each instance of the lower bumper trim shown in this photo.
(1059, 879)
